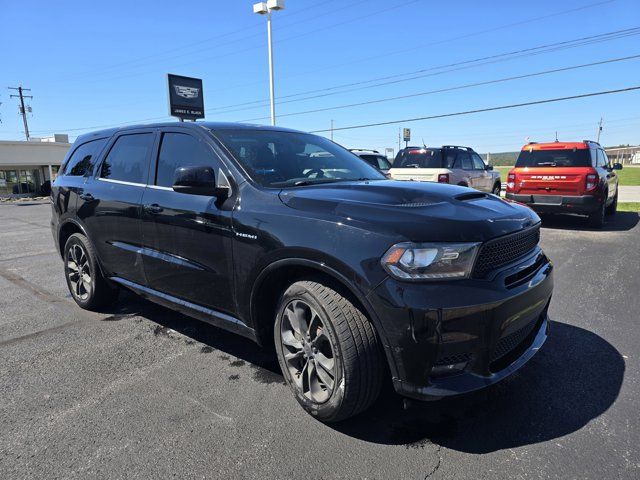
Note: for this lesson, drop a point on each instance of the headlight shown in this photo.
(430, 261)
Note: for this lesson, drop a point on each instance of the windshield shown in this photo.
(554, 158)
(419, 158)
(285, 159)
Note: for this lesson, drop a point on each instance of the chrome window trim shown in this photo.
(122, 182)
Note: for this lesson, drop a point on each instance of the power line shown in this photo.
(378, 56)
(524, 53)
(480, 110)
(450, 89)
(138, 60)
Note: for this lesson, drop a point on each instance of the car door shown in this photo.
(186, 238)
(463, 161)
(608, 173)
(109, 205)
(481, 175)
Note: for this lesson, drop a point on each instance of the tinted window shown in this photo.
(83, 159)
(179, 150)
(603, 161)
(420, 158)
(128, 159)
(281, 159)
(464, 161)
(377, 161)
(554, 158)
(478, 164)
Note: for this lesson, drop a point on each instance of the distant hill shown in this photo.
(501, 158)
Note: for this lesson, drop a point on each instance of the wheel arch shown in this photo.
(68, 228)
(277, 276)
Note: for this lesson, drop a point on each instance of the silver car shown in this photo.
(447, 164)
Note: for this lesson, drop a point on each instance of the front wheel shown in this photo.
(88, 287)
(328, 351)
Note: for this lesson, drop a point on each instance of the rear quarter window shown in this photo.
(83, 158)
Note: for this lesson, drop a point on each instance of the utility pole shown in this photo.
(23, 110)
(599, 129)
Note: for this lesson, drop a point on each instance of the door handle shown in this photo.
(153, 208)
(87, 197)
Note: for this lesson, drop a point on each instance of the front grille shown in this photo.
(503, 250)
(510, 342)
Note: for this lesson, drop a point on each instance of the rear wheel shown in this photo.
(596, 219)
(88, 287)
(328, 351)
(496, 189)
(611, 209)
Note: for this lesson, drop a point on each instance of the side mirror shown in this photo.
(617, 166)
(200, 180)
(488, 167)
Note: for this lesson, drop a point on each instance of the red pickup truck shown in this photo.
(565, 177)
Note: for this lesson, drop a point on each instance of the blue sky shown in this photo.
(94, 64)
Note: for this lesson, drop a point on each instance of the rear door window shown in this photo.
(181, 150)
(554, 158)
(128, 159)
(377, 161)
(83, 159)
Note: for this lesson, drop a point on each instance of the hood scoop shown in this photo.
(470, 196)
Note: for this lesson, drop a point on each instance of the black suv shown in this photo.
(294, 242)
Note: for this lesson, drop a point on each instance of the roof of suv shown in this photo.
(194, 125)
(584, 144)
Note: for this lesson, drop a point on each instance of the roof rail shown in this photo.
(590, 141)
(457, 146)
(363, 150)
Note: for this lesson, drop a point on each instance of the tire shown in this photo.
(496, 189)
(344, 341)
(85, 281)
(611, 209)
(596, 219)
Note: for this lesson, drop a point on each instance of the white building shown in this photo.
(26, 166)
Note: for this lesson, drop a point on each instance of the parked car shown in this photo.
(447, 164)
(288, 239)
(566, 177)
(374, 158)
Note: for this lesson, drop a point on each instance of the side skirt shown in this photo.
(204, 314)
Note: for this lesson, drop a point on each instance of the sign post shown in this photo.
(406, 135)
(186, 99)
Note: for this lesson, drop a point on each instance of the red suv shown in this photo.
(566, 177)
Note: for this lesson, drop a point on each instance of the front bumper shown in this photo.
(583, 204)
(450, 338)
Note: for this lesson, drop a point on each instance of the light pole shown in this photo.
(265, 8)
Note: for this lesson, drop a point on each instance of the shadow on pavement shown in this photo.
(575, 377)
(621, 221)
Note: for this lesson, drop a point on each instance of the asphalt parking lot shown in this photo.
(141, 392)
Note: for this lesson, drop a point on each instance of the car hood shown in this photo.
(416, 211)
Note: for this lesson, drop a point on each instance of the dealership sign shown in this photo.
(186, 100)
